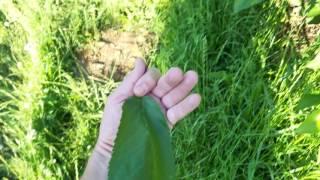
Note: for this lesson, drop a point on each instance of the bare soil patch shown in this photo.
(304, 34)
(113, 55)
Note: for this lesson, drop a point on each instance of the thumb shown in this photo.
(125, 89)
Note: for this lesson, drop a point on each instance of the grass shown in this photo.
(251, 78)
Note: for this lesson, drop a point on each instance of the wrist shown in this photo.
(104, 149)
(98, 165)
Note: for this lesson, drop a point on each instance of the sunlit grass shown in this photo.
(251, 79)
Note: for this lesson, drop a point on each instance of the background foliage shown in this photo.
(251, 78)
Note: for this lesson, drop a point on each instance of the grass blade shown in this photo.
(240, 5)
(309, 100)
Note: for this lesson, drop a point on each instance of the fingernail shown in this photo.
(168, 102)
(192, 100)
(155, 73)
(195, 99)
(171, 117)
(137, 61)
(140, 90)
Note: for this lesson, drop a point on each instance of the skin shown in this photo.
(173, 93)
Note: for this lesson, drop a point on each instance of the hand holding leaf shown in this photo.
(172, 93)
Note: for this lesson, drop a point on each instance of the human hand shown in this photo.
(171, 91)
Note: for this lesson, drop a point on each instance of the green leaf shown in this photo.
(315, 63)
(313, 16)
(309, 100)
(313, 20)
(240, 5)
(311, 124)
(314, 11)
(142, 148)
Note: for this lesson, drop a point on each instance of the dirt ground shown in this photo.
(304, 33)
(114, 54)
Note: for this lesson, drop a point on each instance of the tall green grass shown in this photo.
(251, 78)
